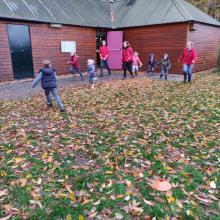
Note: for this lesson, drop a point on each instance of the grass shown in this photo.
(99, 159)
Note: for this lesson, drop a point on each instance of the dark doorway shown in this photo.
(21, 52)
(100, 36)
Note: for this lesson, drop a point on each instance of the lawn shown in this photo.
(99, 159)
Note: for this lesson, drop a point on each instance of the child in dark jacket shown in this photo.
(47, 76)
(165, 66)
(152, 63)
(91, 72)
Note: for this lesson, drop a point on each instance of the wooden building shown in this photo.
(33, 30)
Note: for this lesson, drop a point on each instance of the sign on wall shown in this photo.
(68, 46)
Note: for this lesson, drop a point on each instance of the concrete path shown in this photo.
(22, 89)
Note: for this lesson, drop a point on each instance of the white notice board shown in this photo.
(68, 46)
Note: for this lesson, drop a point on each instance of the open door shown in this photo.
(115, 41)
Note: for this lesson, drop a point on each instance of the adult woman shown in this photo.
(127, 58)
(188, 57)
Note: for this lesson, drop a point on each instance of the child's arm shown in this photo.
(37, 80)
(140, 63)
(169, 65)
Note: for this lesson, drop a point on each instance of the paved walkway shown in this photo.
(22, 89)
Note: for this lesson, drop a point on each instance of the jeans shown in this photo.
(165, 73)
(187, 71)
(127, 66)
(55, 95)
(104, 63)
(73, 69)
(91, 78)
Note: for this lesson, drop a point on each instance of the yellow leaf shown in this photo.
(23, 182)
(68, 217)
(81, 217)
(170, 199)
(72, 197)
(18, 159)
(213, 185)
(44, 155)
(3, 173)
(50, 159)
(108, 172)
(189, 212)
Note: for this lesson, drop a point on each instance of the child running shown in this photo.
(47, 76)
(152, 63)
(165, 66)
(136, 63)
(91, 72)
(74, 64)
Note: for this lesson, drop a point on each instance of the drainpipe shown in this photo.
(111, 3)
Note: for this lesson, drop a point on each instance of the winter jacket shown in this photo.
(91, 69)
(188, 56)
(165, 64)
(74, 61)
(136, 61)
(104, 52)
(127, 54)
(152, 62)
(48, 79)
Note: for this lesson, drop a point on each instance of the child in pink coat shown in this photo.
(136, 63)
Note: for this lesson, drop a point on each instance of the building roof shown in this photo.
(97, 13)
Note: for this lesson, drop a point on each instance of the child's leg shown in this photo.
(71, 70)
(79, 72)
(57, 98)
(161, 75)
(166, 74)
(47, 94)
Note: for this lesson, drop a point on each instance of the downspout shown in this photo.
(112, 13)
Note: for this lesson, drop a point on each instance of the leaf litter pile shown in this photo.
(113, 152)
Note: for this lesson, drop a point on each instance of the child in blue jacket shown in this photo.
(91, 72)
(47, 76)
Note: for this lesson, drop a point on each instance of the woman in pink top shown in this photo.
(136, 63)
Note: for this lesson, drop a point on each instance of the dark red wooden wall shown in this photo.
(46, 45)
(159, 39)
(206, 41)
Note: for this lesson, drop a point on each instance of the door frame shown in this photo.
(31, 50)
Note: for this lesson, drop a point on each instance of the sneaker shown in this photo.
(62, 110)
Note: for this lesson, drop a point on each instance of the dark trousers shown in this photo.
(127, 66)
(104, 63)
(72, 70)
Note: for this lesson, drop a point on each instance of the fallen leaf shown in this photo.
(6, 217)
(212, 185)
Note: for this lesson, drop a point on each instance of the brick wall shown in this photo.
(46, 45)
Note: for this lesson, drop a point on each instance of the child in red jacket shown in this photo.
(127, 58)
(74, 64)
(188, 57)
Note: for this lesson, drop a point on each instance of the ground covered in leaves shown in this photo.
(99, 159)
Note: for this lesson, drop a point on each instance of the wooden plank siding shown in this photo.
(5, 55)
(206, 41)
(46, 45)
(159, 39)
